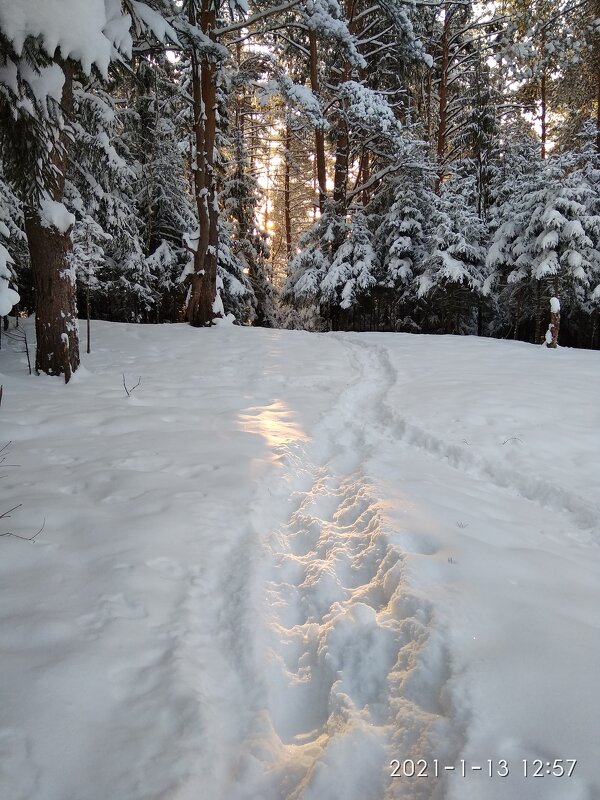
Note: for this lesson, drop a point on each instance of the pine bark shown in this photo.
(342, 153)
(543, 114)
(340, 176)
(319, 132)
(204, 96)
(443, 103)
(57, 332)
(538, 314)
(598, 111)
(365, 172)
(287, 191)
(554, 328)
(342, 150)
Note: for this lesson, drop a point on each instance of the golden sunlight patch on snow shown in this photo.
(274, 422)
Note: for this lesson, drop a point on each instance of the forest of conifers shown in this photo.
(425, 166)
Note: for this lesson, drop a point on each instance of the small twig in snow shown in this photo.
(129, 391)
(24, 538)
(512, 439)
(7, 513)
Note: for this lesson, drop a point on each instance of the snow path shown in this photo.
(288, 559)
(339, 653)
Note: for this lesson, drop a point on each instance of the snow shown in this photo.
(555, 305)
(217, 306)
(45, 82)
(54, 215)
(155, 23)
(8, 296)
(82, 29)
(368, 108)
(326, 17)
(299, 97)
(287, 559)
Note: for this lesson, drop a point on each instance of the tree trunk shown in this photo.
(57, 331)
(202, 309)
(443, 112)
(554, 315)
(88, 318)
(342, 149)
(366, 174)
(55, 297)
(319, 132)
(286, 192)
(553, 329)
(543, 120)
(340, 176)
(598, 111)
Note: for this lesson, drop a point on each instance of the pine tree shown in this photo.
(551, 241)
(454, 269)
(352, 273)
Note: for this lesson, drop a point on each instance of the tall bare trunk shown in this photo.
(598, 111)
(443, 110)
(340, 175)
(286, 191)
(543, 114)
(319, 132)
(57, 332)
(365, 175)
(88, 318)
(204, 280)
(342, 149)
(538, 313)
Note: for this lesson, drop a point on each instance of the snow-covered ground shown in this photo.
(289, 559)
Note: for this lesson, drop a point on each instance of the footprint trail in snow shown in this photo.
(345, 630)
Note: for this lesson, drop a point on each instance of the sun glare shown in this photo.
(274, 422)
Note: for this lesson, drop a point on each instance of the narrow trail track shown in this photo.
(344, 631)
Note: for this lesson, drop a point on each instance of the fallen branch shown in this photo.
(24, 538)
